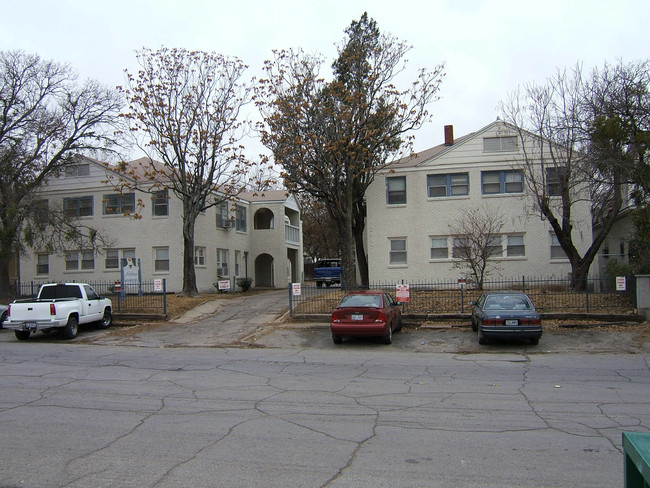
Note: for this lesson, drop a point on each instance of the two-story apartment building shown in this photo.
(412, 202)
(256, 235)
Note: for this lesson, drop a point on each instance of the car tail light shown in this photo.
(381, 317)
(530, 322)
(9, 311)
(52, 309)
(492, 322)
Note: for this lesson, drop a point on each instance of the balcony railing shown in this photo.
(292, 234)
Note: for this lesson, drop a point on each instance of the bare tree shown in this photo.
(46, 119)
(320, 237)
(186, 105)
(573, 155)
(477, 239)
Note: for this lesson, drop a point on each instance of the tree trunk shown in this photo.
(189, 273)
(362, 259)
(579, 273)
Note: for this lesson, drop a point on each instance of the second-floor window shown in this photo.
(160, 203)
(439, 249)
(554, 181)
(115, 203)
(396, 190)
(451, 185)
(496, 182)
(241, 218)
(78, 207)
(223, 216)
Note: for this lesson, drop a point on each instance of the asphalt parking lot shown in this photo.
(261, 321)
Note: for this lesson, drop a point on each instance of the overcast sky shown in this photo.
(488, 47)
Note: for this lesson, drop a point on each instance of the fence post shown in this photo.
(587, 292)
(290, 301)
(165, 296)
(523, 284)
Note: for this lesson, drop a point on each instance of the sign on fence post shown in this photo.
(621, 283)
(403, 294)
(297, 291)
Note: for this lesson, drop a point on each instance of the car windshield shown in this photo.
(360, 301)
(507, 302)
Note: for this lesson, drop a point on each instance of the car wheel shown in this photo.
(388, 338)
(70, 329)
(21, 335)
(534, 341)
(337, 339)
(107, 319)
(481, 337)
(2, 319)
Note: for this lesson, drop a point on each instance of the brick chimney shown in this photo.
(449, 135)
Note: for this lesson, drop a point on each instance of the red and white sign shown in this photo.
(224, 285)
(403, 293)
(296, 289)
(620, 283)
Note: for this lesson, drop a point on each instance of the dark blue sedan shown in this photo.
(506, 315)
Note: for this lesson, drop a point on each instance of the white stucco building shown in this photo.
(253, 235)
(413, 200)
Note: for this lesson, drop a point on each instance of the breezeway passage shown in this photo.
(78, 415)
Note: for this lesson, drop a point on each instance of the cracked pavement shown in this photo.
(363, 415)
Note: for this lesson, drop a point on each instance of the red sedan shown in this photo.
(366, 313)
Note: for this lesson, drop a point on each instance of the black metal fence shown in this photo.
(147, 297)
(550, 295)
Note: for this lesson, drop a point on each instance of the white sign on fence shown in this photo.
(621, 283)
(157, 285)
(297, 291)
(224, 285)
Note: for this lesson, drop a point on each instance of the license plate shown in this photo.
(512, 322)
(357, 316)
(30, 326)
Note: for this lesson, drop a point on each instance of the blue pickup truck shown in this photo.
(327, 271)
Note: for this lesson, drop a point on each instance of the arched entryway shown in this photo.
(264, 276)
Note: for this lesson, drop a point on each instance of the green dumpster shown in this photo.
(636, 447)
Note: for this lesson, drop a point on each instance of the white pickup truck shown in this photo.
(58, 306)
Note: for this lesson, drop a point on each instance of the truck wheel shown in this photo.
(319, 284)
(21, 335)
(70, 329)
(2, 319)
(106, 320)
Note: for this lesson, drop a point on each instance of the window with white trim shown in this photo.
(199, 256)
(499, 144)
(240, 220)
(396, 190)
(439, 248)
(554, 181)
(161, 259)
(75, 260)
(556, 249)
(493, 247)
(515, 246)
(222, 262)
(223, 216)
(74, 170)
(160, 203)
(42, 264)
(397, 251)
(117, 258)
(237, 263)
